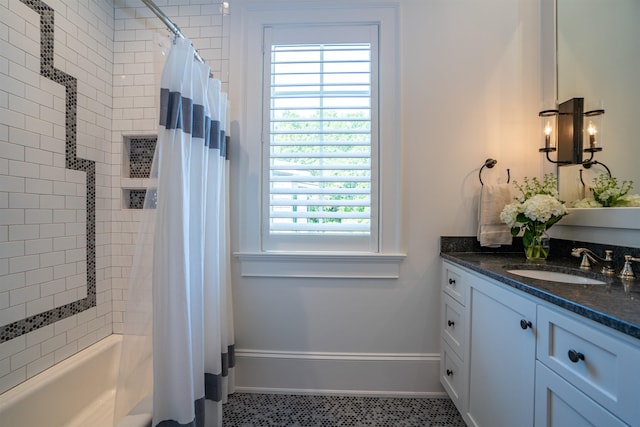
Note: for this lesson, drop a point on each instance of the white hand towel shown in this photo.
(491, 231)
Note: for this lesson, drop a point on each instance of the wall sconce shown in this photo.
(567, 124)
(593, 130)
(549, 130)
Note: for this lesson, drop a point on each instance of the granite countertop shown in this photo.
(616, 304)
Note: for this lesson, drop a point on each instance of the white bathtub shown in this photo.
(77, 392)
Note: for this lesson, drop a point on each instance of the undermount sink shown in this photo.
(556, 276)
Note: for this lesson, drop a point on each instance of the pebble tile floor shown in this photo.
(254, 410)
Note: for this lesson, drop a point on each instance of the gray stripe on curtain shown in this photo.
(198, 421)
(214, 138)
(213, 387)
(225, 364)
(173, 110)
(178, 112)
(199, 122)
(223, 144)
(231, 350)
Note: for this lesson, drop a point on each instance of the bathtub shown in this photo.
(77, 392)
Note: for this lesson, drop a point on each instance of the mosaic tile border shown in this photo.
(47, 70)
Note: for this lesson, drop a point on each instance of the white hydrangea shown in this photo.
(630, 200)
(537, 208)
(542, 207)
(509, 214)
(587, 202)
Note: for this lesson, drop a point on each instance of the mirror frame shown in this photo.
(616, 226)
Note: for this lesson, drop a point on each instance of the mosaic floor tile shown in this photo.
(254, 410)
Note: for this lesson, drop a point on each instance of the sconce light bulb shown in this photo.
(591, 129)
(548, 129)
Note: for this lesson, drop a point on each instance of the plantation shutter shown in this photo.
(321, 129)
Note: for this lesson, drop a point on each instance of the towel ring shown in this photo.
(588, 165)
(490, 163)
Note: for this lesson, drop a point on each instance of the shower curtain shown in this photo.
(184, 258)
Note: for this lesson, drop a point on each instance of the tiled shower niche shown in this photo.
(136, 167)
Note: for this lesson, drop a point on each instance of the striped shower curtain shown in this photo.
(192, 319)
(178, 337)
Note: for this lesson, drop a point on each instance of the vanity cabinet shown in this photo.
(520, 361)
(488, 336)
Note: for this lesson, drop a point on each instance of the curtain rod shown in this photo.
(170, 25)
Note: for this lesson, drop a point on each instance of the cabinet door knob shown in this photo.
(524, 324)
(449, 372)
(450, 323)
(575, 356)
(452, 282)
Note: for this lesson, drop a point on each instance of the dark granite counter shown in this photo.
(616, 304)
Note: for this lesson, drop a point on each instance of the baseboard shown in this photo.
(357, 393)
(349, 374)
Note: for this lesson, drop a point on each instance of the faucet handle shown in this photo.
(627, 270)
(585, 264)
(582, 252)
(608, 255)
(607, 265)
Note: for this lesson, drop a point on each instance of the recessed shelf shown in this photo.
(138, 155)
(138, 151)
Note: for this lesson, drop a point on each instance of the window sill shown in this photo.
(333, 265)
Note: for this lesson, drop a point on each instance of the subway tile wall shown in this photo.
(66, 237)
(139, 43)
(55, 178)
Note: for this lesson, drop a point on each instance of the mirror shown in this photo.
(598, 59)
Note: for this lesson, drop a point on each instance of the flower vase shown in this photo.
(538, 248)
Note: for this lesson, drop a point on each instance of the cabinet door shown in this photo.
(502, 357)
(453, 324)
(452, 376)
(559, 404)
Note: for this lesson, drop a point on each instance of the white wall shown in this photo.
(470, 90)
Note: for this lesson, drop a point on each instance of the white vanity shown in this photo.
(513, 357)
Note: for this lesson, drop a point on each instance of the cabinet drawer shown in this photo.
(452, 375)
(592, 359)
(453, 324)
(454, 283)
(558, 403)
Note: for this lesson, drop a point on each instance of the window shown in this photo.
(320, 137)
(317, 177)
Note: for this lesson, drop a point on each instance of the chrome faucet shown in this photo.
(627, 270)
(587, 255)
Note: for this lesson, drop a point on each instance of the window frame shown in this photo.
(246, 83)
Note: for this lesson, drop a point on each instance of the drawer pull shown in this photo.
(450, 323)
(449, 372)
(524, 324)
(574, 356)
(452, 282)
